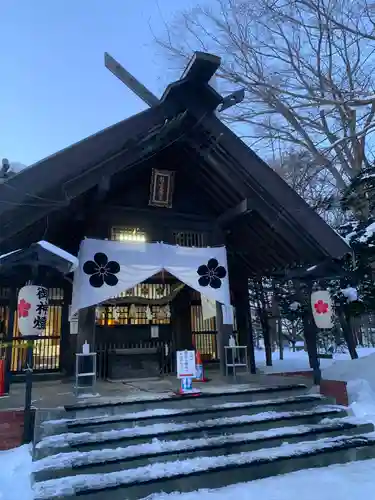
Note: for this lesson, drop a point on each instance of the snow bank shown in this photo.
(299, 361)
(352, 369)
(361, 400)
(15, 474)
(345, 482)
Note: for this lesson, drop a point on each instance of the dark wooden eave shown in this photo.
(272, 191)
(268, 225)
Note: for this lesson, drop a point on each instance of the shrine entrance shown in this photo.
(138, 330)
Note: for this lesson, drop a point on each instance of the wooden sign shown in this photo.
(162, 186)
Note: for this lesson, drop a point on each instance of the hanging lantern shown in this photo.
(116, 314)
(32, 309)
(168, 311)
(149, 315)
(321, 305)
(132, 311)
(161, 315)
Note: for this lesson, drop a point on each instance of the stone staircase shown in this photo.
(129, 449)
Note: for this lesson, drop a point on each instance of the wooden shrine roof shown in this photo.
(269, 226)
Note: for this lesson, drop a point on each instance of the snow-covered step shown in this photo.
(86, 441)
(188, 414)
(209, 471)
(111, 460)
(209, 396)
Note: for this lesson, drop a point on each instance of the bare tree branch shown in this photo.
(307, 67)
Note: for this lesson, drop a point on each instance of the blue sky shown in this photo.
(55, 89)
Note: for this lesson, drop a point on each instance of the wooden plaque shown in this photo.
(162, 186)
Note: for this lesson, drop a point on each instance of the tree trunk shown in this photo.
(348, 334)
(281, 339)
(265, 325)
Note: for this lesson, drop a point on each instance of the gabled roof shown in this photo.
(276, 227)
(42, 252)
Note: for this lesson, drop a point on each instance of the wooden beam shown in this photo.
(103, 188)
(308, 225)
(239, 210)
(201, 67)
(130, 81)
(159, 214)
(37, 191)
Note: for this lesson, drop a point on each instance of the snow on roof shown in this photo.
(60, 253)
(312, 268)
(369, 231)
(347, 238)
(9, 253)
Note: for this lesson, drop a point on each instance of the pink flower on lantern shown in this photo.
(321, 307)
(23, 308)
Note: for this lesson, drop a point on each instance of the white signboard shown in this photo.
(185, 364)
(154, 331)
(32, 310)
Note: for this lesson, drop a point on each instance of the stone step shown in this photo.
(208, 472)
(104, 461)
(209, 396)
(148, 417)
(122, 437)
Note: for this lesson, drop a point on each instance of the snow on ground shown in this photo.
(298, 361)
(352, 369)
(15, 473)
(337, 481)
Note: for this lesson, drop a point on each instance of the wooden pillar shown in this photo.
(240, 288)
(223, 334)
(181, 320)
(67, 348)
(86, 333)
(9, 337)
(217, 237)
(86, 328)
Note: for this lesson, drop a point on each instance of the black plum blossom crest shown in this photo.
(101, 270)
(211, 274)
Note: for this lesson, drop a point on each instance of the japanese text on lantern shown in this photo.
(40, 320)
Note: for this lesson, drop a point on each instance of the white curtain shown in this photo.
(107, 268)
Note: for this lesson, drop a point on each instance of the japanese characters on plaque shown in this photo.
(185, 364)
(32, 310)
(161, 189)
